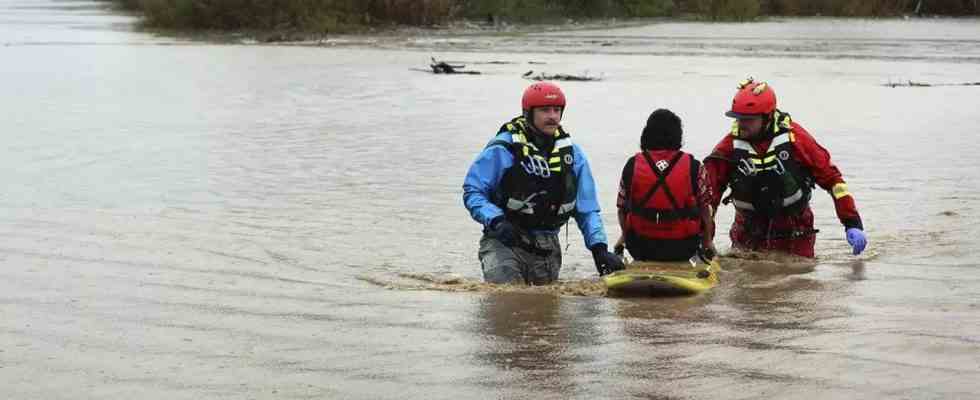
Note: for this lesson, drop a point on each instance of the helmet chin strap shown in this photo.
(767, 128)
(541, 139)
(529, 118)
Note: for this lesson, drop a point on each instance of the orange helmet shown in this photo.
(542, 94)
(753, 100)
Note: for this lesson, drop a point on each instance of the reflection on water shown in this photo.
(532, 339)
(524, 331)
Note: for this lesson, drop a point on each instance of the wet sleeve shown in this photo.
(705, 197)
(482, 181)
(717, 167)
(587, 202)
(624, 185)
(705, 194)
(817, 159)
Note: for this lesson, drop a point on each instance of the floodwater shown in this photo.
(185, 220)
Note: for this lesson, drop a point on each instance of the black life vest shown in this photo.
(539, 190)
(662, 203)
(773, 183)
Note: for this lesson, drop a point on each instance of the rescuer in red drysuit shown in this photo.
(771, 164)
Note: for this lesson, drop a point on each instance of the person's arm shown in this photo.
(587, 202)
(588, 219)
(817, 160)
(718, 168)
(705, 197)
(622, 202)
(483, 178)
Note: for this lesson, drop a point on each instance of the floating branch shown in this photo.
(442, 67)
(543, 76)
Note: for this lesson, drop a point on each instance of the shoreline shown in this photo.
(469, 28)
(462, 28)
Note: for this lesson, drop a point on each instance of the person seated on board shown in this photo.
(664, 197)
(524, 186)
(771, 165)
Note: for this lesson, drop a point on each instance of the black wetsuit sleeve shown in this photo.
(625, 183)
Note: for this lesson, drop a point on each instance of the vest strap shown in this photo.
(661, 179)
(659, 215)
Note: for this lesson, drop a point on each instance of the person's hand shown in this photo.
(707, 253)
(620, 247)
(857, 239)
(502, 230)
(606, 262)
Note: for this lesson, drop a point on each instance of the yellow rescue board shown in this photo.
(664, 278)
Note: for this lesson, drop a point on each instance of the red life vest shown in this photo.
(659, 208)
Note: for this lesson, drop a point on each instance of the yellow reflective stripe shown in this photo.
(770, 159)
(555, 169)
(757, 161)
(554, 160)
(787, 121)
(840, 190)
(526, 151)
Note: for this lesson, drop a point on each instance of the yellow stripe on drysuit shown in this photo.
(839, 191)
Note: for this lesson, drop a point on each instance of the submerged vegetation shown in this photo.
(329, 16)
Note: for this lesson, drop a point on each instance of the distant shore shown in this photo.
(304, 20)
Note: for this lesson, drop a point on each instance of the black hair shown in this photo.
(662, 132)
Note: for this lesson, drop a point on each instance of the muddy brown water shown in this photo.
(184, 220)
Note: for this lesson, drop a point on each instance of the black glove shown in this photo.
(706, 254)
(502, 230)
(606, 262)
(620, 249)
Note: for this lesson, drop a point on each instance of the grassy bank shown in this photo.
(332, 16)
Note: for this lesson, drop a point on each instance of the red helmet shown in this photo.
(542, 94)
(753, 100)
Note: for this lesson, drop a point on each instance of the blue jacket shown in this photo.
(481, 195)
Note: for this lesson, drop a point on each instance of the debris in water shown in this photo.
(543, 76)
(911, 83)
(442, 67)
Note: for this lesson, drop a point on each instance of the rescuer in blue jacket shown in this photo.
(524, 186)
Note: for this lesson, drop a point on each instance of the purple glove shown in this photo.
(857, 239)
